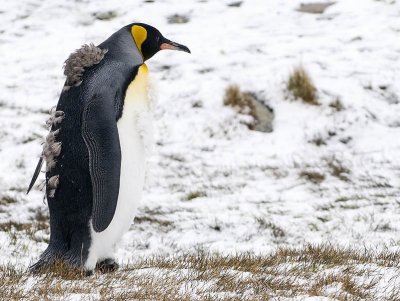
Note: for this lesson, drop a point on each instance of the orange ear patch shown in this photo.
(139, 34)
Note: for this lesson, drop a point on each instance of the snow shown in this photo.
(352, 53)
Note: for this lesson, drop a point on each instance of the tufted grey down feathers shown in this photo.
(84, 57)
(53, 183)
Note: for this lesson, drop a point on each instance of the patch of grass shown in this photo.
(62, 270)
(302, 87)
(241, 102)
(383, 227)
(312, 270)
(16, 230)
(28, 228)
(342, 199)
(235, 4)
(197, 104)
(216, 225)
(20, 163)
(338, 169)
(277, 231)
(176, 157)
(318, 140)
(337, 105)
(40, 215)
(235, 98)
(105, 15)
(194, 195)
(32, 137)
(345, 140)
(312, 176)
(279, 173)
(205, 70)
(153, 220)
(7, 200)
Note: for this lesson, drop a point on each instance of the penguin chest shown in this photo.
(132, 135)
(132, 144)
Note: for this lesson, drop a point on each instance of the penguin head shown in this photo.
(149, 40)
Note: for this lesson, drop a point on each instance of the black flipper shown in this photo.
(100, 133)
(36, 174)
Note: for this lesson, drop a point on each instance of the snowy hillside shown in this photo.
(326, 174)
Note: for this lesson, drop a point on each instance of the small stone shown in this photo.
(314, 8)
(178, 19)
(235, 4)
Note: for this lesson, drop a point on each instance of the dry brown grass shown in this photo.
(337, 105)
(250, 104)
(29, 228)
(338, 169)
(194, 195)
(312, 176)
(240, 101)
(153, 220)
(318, 140)
(302, 87)
(7, 200)
(277, 231)
(322, 270)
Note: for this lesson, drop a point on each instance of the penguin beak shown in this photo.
(167, 44)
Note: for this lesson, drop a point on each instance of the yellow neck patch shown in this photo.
(143, 69)
(139, 34)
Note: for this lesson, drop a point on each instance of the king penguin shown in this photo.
(95, 149)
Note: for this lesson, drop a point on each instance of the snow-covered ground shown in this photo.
(212, 181)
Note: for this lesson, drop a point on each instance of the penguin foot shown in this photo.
(89, 273)
(107, 265)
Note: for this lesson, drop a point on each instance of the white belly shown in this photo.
(131, 135)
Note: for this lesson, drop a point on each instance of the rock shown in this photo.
(314, 8)
(178, 19)
(263, 114)
(248, 103)
(105, 15)
(235, 4)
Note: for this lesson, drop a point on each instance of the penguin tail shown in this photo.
(36, 174)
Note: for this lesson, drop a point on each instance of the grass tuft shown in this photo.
(338, 169)
(153, 220)
(28, 228)
(302, 87)
(7, 200)
(234, 97)
(194, 195)
(337, 105)
(241, 101)
(105, 15)
(312, 176)
(61, 270)
(277, 231)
